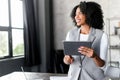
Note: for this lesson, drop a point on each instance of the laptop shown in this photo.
(71, 47)
(27, 77)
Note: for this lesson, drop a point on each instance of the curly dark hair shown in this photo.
(93, 13)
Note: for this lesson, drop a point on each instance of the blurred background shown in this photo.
(32, 31)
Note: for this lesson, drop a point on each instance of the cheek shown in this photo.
(83, 18)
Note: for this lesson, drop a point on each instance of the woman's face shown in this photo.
(80, 17)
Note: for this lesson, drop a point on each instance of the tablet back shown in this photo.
(71, 47)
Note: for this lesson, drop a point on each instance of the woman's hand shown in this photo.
(68, 59)
(90, 53)
(87, 51)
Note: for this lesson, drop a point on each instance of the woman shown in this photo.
(88, 18)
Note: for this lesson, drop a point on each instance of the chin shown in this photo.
(78, 24)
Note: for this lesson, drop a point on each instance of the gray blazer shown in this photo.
(89, 69)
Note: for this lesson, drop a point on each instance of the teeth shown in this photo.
(77, 20)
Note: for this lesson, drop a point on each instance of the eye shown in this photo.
(79, 13)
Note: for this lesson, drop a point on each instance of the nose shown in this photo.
(77, 16)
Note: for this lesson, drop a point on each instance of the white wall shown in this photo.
(62, 20)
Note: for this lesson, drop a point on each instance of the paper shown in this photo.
(59, 78)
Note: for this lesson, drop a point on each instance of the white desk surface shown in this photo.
(36, 76)
(31, 76)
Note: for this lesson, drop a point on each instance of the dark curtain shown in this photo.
(31, 34)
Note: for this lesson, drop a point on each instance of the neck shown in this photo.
(85, 29)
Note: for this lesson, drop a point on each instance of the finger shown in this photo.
(68, 57)
(82, 52)
(72, 60)
(86, 49)
(82, 48)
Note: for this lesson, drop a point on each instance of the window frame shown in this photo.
(9, 30)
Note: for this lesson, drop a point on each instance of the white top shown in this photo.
(83, 37)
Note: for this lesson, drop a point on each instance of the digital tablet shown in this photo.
(71, 47)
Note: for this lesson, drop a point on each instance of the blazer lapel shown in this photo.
(92, 37)
(78, 34)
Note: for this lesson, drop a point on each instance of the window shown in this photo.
(11, 28)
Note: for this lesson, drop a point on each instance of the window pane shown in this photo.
(4, 44)
(18, 44)
(17, 13)
(4, 20)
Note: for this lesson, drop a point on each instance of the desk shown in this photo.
(29, 76)
(34, 76)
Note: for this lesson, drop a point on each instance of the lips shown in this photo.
(78, 20)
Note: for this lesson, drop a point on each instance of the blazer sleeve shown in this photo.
(104, 48)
